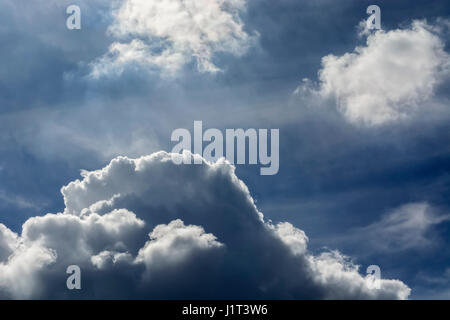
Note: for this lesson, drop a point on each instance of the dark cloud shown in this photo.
(207, 239)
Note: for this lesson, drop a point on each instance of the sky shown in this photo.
(86, 177)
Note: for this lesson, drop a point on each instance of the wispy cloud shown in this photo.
(404, 228)
(18, 201)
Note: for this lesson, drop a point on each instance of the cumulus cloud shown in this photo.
(166, 35)
(175, 241)
(21, 265)
(8, 242)
(389, 78)
(147, 228)
(83, 235)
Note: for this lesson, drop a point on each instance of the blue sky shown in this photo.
(375, 190)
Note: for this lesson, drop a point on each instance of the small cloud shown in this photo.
(164, 36)
(18, 201)
(388, 79)
(404, 228)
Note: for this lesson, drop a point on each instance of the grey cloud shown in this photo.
(207, 239)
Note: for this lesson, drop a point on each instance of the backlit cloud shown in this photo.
(389, 78)
(166, 35)
(149, 228)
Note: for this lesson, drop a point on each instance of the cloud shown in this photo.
(407, 227)
(147, 228)
(8, 242)
(175, 244)
(21, 265)
(83, 235)
(389, 78)
(166, 35)
(17, 201)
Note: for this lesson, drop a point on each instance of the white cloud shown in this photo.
(20, 275)
(173, 244)
(207, 239)
(340, 276)
(404, 228)
(294, 238)
(389, 78)
(166, 35)
(17, 201)
(76, 237)
(8, 242)
(108, 258)
(60, 239)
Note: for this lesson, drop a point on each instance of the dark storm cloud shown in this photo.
(207, 239)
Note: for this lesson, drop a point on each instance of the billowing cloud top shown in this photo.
(147, 228)
(389, 78)
(166, 35)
